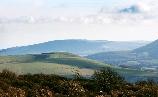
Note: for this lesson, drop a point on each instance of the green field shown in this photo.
(60, 64)
(46, 68)
(51, 63)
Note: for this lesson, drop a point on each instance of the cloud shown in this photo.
(137, 13)
(136, 8)
(130, 14)
(21, 19)
(107, 18)
(34, 22)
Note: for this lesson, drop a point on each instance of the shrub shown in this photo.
(8, 74)
(75, 89)
(106, 80)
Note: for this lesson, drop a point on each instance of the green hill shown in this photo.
(56, 58)
(59, 63)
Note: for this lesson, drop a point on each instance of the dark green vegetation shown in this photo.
(103, 83)
(79, 47)
(143, 58)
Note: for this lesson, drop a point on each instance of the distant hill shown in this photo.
(80, 47)
(140, 58)
(114, 58)
(150, 50)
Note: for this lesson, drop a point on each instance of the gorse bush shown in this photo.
(8, 74)
(106, 80)
(104, 83)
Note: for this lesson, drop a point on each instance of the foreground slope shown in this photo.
(79, 47)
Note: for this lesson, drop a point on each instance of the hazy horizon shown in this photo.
(74, 40)
(27, 22)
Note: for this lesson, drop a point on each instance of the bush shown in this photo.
(106, 80)
(105, 83)
(8, 74)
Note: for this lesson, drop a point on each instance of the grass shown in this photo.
(50, 63)
(60, 64)
(46, 68)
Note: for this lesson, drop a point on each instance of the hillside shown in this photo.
(150, 50)
(79, 47)
(60, 63)
(145, 57)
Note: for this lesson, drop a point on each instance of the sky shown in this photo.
(26, 22)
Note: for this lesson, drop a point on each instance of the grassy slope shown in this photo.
(58, 63)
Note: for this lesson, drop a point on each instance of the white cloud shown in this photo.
(21, 19)
(101, 18)
(145, 11)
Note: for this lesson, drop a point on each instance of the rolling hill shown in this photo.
(140, 58)
(60, 63)
(65, 64)
(79, 47)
